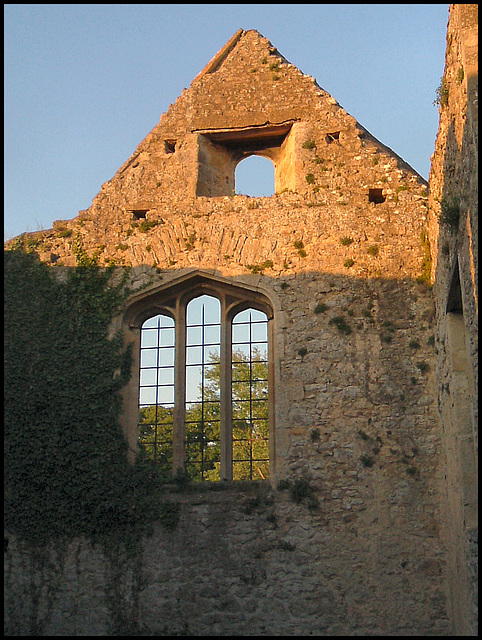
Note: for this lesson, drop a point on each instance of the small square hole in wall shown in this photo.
(376, 196)
(169, 146)
(332, 137)
(138, 214)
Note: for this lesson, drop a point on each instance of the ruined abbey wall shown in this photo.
(347, 536)
(453, 231)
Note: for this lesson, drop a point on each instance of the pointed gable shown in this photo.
(250, 100)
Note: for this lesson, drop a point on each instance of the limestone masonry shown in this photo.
(366, 400)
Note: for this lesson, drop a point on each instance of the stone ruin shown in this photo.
(340, 258)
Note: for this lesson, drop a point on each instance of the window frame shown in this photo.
(171, 300)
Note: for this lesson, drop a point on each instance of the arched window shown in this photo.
(203, 387)
(250, 395)
(254, 176)
(156, 391)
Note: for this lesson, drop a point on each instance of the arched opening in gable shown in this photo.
(220, 151)
(254, 176)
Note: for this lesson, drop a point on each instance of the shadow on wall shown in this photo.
(456, 298)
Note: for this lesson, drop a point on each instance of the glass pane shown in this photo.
(148, 377)
(166, 357)
(211, 354)
(241, 371)
(204, 309)
(241, 451)
(260, 450)
(241, 430)
(147, 395)
(149, 338)
(193, 383)
(240, 333)
(241, 410)
(212, 334)
(167, 337)
(259, 409)
(259, 332)
(194, 335)
(165, 395)
(241, 390)
(151, 323)
(194, 355)
(166, 376)
(259, 351)
(211, 412)
(241, 353)
(211, 382)
(148, 358)
(243, 316)
(260, 391)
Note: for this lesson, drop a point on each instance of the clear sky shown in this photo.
(85, 83)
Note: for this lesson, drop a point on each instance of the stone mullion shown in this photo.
(226, 429)
(179, 427)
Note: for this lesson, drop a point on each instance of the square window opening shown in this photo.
(376, 196)
(139, 214)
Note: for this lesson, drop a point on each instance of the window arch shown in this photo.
(255, 176)
(203, 386)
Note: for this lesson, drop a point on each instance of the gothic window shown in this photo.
(156, 390)
(249, 368)
(203, 388)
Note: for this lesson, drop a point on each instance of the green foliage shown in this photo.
(442, 94)
(310, 178)
(259, 268)
(301, 490)
(302, 352)
(299, 245)
(315, 434)
(346, 241)
(341, 324)
(66, 471)
(460, 75)
(349, 263)
(425, 276)
(366, 460)
(449, 214)
(321, 308)
(308, 144)
(423, 367)
(146, 225)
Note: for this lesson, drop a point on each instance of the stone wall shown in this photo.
(346, 537)
(243, 562)
(454, 192)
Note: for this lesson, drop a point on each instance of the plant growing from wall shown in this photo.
(346, 241)
(66, 471)
(449, 214)
(341, 324)
(442, 94)
(299, 245)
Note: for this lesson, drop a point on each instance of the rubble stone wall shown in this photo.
(346, 538)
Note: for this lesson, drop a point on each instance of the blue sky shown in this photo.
(85, 83)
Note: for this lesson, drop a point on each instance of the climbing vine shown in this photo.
(66, 470)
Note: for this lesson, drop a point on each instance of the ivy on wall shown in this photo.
(66, 471)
